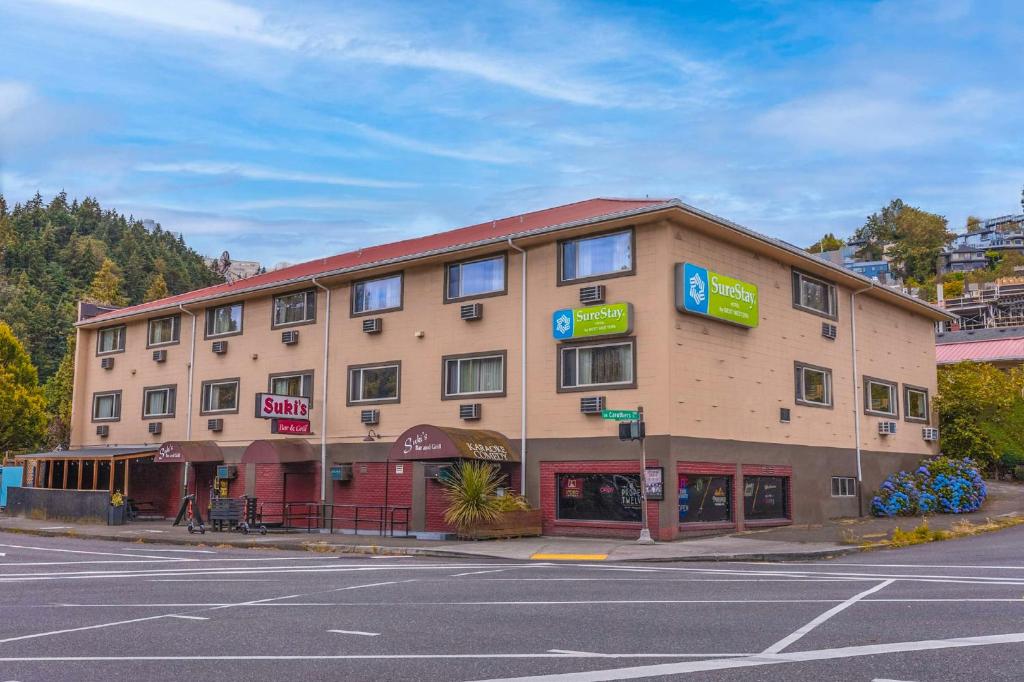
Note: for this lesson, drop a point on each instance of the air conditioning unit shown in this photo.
(341, 472)
(592, 295)
(373, 325)
(220, 347)
(592, 404)
(370, 417)
(290, 338)
(215, 424)
(828, 331)
(155, 427)
(469, 411)
(227, 471)
(930, 433)
(102, 430)
(471, 311)
(886, 428)
(107, 363)
(160, 356)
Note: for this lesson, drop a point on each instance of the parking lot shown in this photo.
(95, 610)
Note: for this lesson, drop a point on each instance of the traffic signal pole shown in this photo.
(645, 530)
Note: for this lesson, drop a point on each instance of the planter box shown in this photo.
(513, 524)
(116, 515)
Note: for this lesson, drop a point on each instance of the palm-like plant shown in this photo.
(470, 489)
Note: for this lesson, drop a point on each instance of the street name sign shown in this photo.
(620, 415)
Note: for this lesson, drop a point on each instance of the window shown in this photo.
(915, 404)
(814, 295)
(106, 407)
(158, 401)
(224, 320)
(297, 308)
(880, 397)
(764, 497)
(605, 255)
(844, 486)
(374, 383)
(377, 295)
(298, 384)
(164, 331)
(469, 279)
(705, 498)
(220, 395)
(599, 497)
(813, 386)
(110, 340)
(479, 375)
(607, 365)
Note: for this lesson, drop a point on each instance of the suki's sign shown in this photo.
(291, 426)
(271, 406)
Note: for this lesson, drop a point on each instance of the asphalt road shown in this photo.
(94, 610)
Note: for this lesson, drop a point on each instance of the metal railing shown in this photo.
(313, 516)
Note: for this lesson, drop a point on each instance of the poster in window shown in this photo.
(704, 498)
(764, 497)
(599, 497)
(654, 483)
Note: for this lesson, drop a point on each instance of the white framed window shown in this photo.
(220, 395)
(164, 331)
(106, 406)
(880, 397)
(915, 404)
(813, 385)
(814, 295)
(297, 308)
(478, 375)
(110, 340)
(224, 320)
(158, 401)
(299, 384)
(602, 255)
(844, 486)
(374, 383)
(481, 277)
(377, 295)
(605, 364)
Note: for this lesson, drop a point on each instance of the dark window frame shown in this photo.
(172, 401)
(117, 406)
(583, 474)
(208, 317)
(471, 297)
(560, 249)
(202, 396)
(787, 502)
(559, 350)
(851, 489)
(445, 395)
(798, 368)
(377, 311)
(374, 401)
(284, 325)
(907, 388)
(894, 391)
(833, 294)
(282, 375)
(176, 334)
(123, 339)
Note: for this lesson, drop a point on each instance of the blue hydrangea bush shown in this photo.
(940, 485)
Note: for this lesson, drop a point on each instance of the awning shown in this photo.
(94, 453)
(441, 442)
(279, 451)
(175, 451)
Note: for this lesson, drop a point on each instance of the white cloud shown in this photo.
(253, 172)
(14, 97)
(488, 153)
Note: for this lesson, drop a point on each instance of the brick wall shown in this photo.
(156, 483)
(368, 489)
(549, 501)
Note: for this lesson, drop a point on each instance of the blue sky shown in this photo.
(284, 131)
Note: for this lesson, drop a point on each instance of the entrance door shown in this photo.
(202, 480)
(299, 487)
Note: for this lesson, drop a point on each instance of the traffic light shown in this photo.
(635, 430)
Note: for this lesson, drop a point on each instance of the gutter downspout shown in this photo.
(323, 382)
(522, 371)
(856, 399)
(191, 371)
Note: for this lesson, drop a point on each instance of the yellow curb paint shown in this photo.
(569, 557)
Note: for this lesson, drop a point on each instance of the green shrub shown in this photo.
(1018, 473)
(510, 502)
(470, 488)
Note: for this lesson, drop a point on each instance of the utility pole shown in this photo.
(645, 529)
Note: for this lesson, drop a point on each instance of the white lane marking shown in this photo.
(1016, 567)
(886, 679)
(356, 632)
(666, 669)
(214, 580)
(139, 559)
(54, 527)
(81, 629)
(391, 556)
(82, 551)
(190, 551)
(178, 615)
(835, 610)
(493, 570)
(590, 654)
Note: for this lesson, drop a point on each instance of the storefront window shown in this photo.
(599, 497)
(764, 497)
(704, 498)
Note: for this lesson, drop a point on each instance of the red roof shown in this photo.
(980, 351)
(560, 216)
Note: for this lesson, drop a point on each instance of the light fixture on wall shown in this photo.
(371, 436)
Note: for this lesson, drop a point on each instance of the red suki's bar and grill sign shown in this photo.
(287, 414)
(292, 426)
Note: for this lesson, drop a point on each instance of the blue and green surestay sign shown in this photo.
(597, 320)
(703, 292)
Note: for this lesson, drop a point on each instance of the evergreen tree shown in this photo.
(107, 286)
(22, 405)
(58, 392)
(157, 288)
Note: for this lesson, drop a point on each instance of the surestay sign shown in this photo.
(704, 292)
(271, 406)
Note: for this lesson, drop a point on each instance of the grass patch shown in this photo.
(922, 534)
